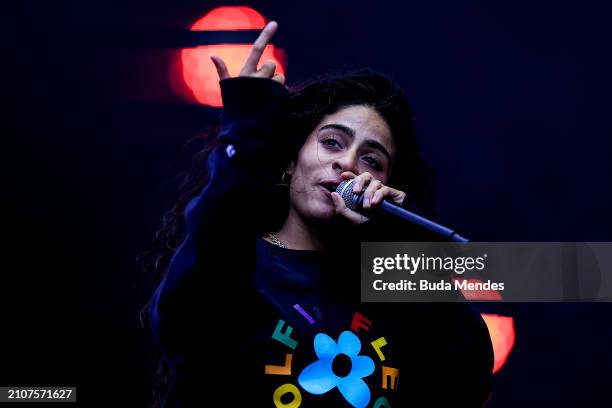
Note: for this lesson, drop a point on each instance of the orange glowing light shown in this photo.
(197, 72)
(501, 330)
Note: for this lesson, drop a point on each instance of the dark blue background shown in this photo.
(512, 102)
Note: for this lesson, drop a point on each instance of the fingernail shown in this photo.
(366, 202)
(356, 187)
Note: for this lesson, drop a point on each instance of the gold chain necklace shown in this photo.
(275, 240)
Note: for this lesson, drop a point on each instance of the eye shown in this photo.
(331, 142)
(375, 164)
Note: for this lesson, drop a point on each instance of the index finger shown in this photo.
(259, 46)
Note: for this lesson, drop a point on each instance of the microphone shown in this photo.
(355, 203)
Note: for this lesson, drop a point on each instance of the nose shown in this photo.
(347, 161)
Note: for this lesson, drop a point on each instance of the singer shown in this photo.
(259, 305)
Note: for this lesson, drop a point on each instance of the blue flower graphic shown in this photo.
(320, 376)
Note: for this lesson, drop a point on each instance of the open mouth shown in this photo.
(330, 185)
(329, 188)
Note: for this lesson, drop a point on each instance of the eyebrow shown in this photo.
(351, 133)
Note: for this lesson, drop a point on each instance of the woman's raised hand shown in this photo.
(374, 192)
(250, 66)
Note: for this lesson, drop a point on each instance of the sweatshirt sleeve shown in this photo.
(251, 153)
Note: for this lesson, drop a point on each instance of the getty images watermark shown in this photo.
(491, 271)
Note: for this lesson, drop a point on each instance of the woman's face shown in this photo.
(355, 138)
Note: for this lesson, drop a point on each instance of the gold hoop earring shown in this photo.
(285, 179)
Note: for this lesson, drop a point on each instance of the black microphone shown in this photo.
(355, 203)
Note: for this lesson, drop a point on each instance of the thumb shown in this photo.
(222, 70)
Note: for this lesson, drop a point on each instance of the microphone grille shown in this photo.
(345, 189)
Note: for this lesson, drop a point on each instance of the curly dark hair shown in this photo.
(308, 103)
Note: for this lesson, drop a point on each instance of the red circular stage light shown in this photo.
(197, 72)
(501, 330)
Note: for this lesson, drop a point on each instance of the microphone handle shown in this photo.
(355, 202)
(421, 221)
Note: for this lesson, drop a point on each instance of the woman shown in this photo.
(259, 305)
